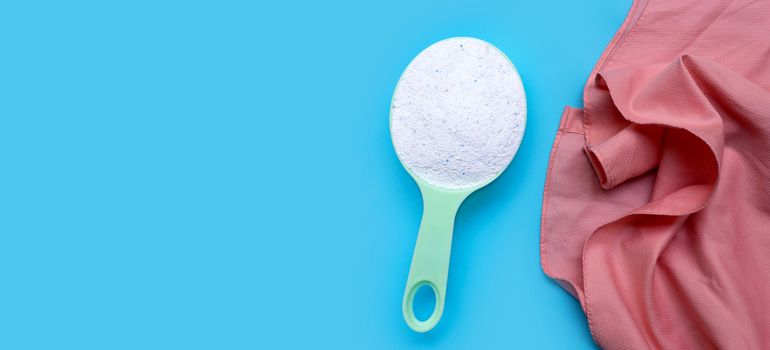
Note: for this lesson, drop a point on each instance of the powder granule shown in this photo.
(458, 113)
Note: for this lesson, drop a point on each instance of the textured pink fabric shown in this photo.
(656, 211)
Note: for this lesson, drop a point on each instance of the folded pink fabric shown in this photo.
(656, 211)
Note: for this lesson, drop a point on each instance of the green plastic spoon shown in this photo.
(487, 110)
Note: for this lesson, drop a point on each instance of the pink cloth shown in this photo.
(656, 211)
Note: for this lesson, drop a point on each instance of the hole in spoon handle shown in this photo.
(409, 304)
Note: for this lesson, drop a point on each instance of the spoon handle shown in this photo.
(430, 262)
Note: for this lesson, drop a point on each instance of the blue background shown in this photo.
(219, 175)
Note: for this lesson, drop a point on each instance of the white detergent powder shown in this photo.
(458, 114)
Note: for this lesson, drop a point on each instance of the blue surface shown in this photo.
(220, 175)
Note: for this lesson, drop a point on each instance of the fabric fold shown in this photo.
(633, 151)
